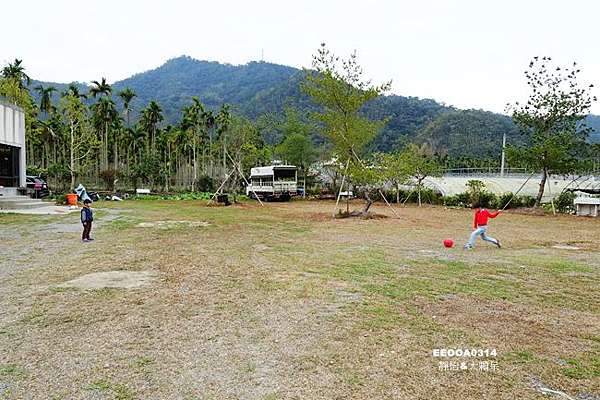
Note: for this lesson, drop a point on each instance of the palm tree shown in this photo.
(73, 90)
(101, 88)
(223, 121)
(104, 115)
(151, 117)
(126, 95)
(104, 110)
(16, 71)
(208, 120)
(45, 98)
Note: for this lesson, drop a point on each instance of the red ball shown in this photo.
(448, 243)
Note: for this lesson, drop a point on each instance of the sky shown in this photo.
(464, 53)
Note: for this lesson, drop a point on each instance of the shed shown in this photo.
(587, 206)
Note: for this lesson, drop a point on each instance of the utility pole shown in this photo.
(503, 154)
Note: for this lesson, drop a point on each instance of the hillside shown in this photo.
(259, 88)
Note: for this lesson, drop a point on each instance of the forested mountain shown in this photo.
(593, 121)
(259, 88)
(469, 133)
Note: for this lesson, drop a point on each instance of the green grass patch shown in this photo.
(142, 362)
(9, 370)
(249, 367)
(118, 390)
(100, 385)
(583, 368)
(519, 357)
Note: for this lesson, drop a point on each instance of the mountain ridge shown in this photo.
(259, 87)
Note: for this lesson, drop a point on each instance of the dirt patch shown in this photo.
(360, 214)
(112, 279)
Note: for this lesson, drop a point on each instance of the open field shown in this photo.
(284, 302)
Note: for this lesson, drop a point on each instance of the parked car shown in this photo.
(37, 187)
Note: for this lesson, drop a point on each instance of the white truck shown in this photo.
(273, 182)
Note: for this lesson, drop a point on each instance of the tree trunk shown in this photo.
(368, 204)
(538, 199)
(195, 167)
(419, 192)
(106, 145)
(398, 193)
(210, 156)
(115, 154)
(304, 184)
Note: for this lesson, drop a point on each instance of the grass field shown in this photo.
(285, 302)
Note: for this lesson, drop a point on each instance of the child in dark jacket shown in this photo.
(480, 221)
(87, 216)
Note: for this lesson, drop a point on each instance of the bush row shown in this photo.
(464, 199)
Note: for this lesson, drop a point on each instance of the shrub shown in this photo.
(36, 171)
(487, 199)
(180, 196)
(527, 201)
(205, 183)
(458, 200)
(503, 200)
(564, 202)
(60, 199)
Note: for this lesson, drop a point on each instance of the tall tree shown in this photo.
(105, 113)
(45, 98)
(16, 71)
(393, 169)
(223, 121)
(81, 139)
(74, 91)
(190, 124)
(208, 124)
(127, 96)
(151, 116)
(247, 149)
(338, 86)
(296, 146)
(419, 163)
(552, 118)
(100, 88)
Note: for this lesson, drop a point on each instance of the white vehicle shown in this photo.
(273, 182)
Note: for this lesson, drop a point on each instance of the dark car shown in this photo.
(37, 187)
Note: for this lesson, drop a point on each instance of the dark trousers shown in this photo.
(87, 228)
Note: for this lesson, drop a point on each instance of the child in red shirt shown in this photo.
(480, 221)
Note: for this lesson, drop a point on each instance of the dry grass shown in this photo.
(286, 302)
